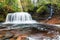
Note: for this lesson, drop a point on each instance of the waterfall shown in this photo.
(19, 18)
(51, 12)
(34, 2)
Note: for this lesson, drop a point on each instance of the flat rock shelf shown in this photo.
(29, 31)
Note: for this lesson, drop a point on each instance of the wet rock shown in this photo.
(12, 38)
(22, 37)
(6, 39)
(16, 35)
(8, 35)
(1, 36)
(1, 39)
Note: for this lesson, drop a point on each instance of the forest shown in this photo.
(39, 9)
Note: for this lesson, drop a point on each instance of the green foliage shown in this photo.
(27, 5)
(43, 2)
(56, 5)
(13, 4)
(41, 9)
(1, 4)
(6, 7)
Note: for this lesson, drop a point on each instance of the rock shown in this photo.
(22, 37)
(1, 39)
(12, 39)
(8, 35)
(1, 36)
(16, 35)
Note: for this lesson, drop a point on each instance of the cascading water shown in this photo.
(51, 11)
(19, 18)
(34, 2)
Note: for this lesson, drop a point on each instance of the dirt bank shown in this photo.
(53, 20)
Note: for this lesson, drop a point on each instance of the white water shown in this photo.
(57, 37)
(19, 18)
(32, 38)
(34, 2)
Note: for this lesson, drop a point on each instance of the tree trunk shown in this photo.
(20, 5)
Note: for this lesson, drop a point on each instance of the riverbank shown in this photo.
(54, 20)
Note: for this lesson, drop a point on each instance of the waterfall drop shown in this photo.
(19, 18)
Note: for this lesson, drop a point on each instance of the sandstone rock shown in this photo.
(12, 39)
(8, 35)
(1, 36)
